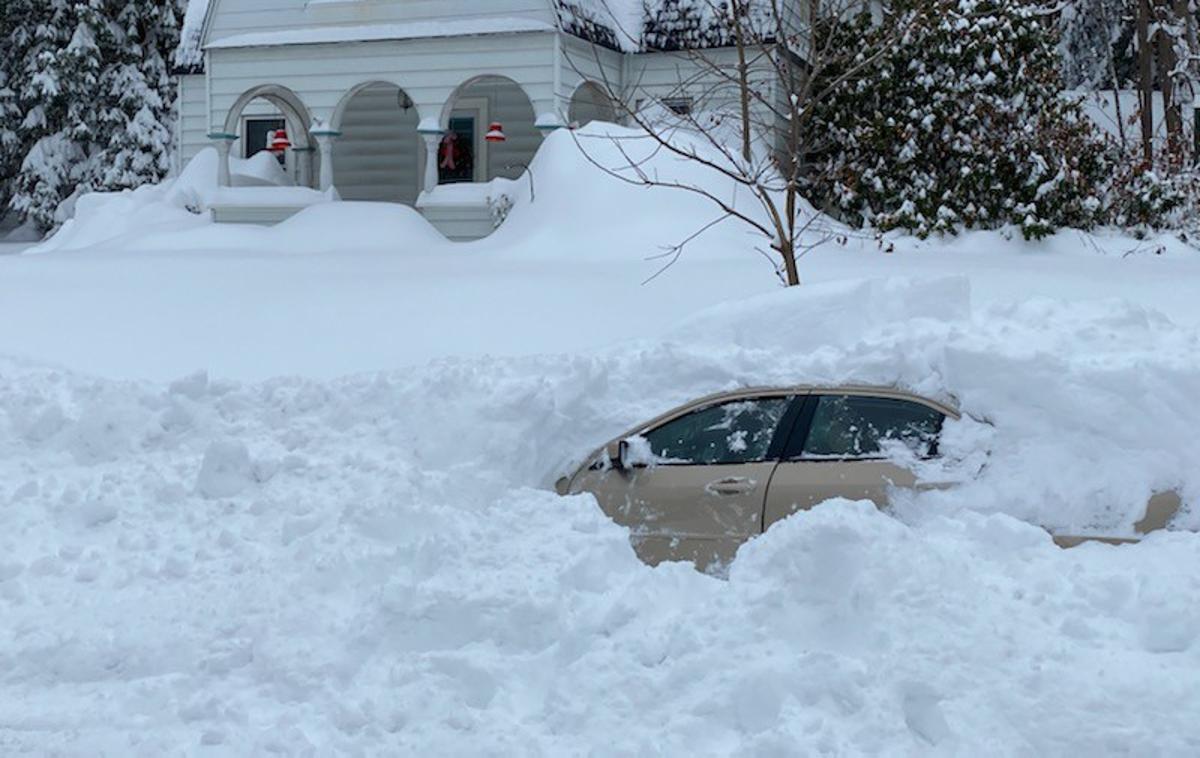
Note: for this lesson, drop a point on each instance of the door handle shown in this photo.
(731, 485)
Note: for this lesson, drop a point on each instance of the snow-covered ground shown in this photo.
(286, 492)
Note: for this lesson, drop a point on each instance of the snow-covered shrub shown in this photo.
(1144, 200)
(500, 205)
(947, 115)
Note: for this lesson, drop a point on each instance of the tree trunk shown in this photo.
(1116, 87)
(1146, 82)
(787, 251)
(1172, 115)
(1189, 43)
(743, 79)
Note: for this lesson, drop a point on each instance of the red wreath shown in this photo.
(453, 153)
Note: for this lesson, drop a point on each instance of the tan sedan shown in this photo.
(697, 482)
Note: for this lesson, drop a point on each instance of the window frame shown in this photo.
(793, 450)
(245, 133)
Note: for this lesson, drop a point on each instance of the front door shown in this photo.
(696, 488)
(840, 449)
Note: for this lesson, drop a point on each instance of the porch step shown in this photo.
(263, 215)
(459, 223)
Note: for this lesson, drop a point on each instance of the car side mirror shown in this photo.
(618, 455)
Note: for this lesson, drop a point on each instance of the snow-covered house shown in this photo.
(393, 100)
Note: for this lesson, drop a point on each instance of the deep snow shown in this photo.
(140, 287)
(373, 565)
(286, 491)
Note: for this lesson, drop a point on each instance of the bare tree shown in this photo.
(738, 107)
(1169, 64)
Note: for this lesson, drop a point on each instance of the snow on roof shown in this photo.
(613, 23)
(371, 32)
(696, 24)
(637, 25)
(630, 25)
(189, 55)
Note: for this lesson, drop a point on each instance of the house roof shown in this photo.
(630, 25)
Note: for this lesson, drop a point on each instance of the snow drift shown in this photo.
(373, 565)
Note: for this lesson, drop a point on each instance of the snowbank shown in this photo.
(372, 565)
(323, 227)
(122, 219)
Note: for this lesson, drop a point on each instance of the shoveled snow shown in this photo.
(372, 565)
(286, 491)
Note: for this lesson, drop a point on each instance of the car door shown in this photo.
(837, 449)
(695, 488)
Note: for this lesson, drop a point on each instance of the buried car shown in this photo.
(697, 482)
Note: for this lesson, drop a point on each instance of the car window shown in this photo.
(736, 432)
(852, 426)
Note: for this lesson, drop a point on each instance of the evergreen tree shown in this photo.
(960, 123)
(1096, 43)
(94, 97)
(59, 97)
(17, 32)
(139, 94)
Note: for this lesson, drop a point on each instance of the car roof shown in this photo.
(947, 407)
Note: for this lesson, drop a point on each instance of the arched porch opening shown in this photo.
(255, 117)
(591, 103)
(465, 154)
(378, 155)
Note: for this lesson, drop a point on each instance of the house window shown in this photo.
(456, 154)
(257, 132)
(680, 106)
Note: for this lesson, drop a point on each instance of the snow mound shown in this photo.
(369, 566)
(179, 205)
(581, 192)
(325, 227)
(373, 565)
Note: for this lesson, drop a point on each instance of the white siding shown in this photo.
(379, 154)
(232, 17)
(429, 70)
(583, 62)
(670, 75)
(193, 118)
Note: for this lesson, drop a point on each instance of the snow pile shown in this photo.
(373, 565)
(177, 205)
(324, 227)
(565, 196)
(581, 183)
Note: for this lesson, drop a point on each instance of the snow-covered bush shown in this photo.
(947, 115)
(1143, 200)
(499, 205)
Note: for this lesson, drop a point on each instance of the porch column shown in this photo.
(304, 165)
(547, 123)
(223, 141)
(325, 138)
(433, 138)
